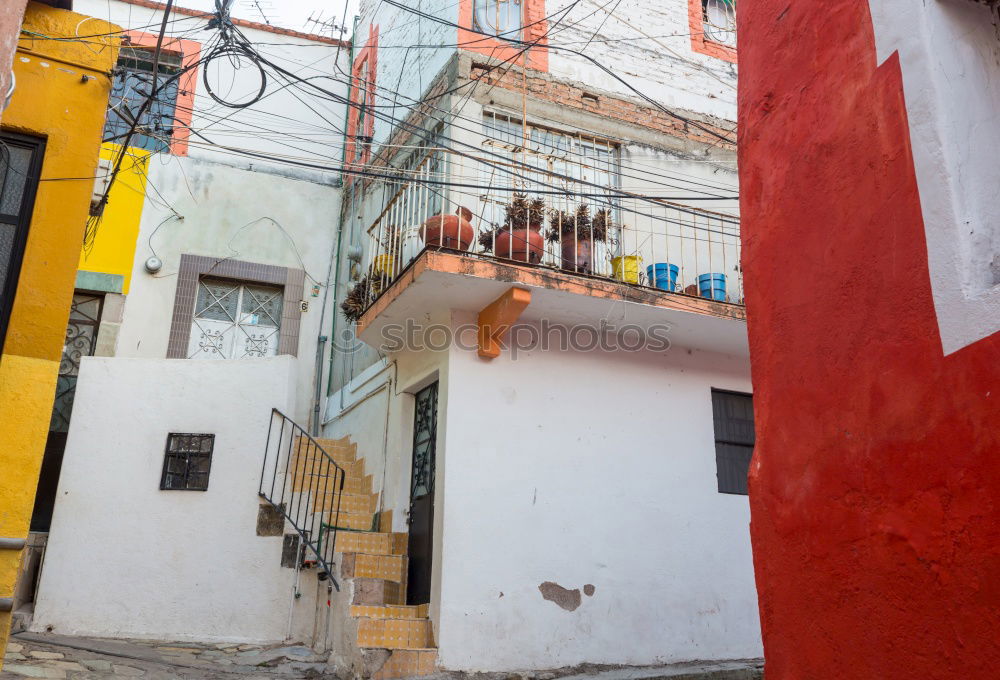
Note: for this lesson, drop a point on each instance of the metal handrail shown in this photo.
(311, 487)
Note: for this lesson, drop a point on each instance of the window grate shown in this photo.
(719, 21)
(187, 462)
(133, 81)
(734, 439)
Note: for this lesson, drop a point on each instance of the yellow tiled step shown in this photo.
(395, 633)
(333, 448)
(314, 459)
(377, 592)
(358, 521)
(408, 663)
(349, 502)
(327, 479)
(371, 543)
(388, 567)
(393, 611)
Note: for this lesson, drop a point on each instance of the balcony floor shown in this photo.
(451, 280)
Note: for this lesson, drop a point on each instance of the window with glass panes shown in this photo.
(234, 320)
(132, 84)
(187, 462)
(501, 18)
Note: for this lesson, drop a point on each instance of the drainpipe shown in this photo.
(343, 182)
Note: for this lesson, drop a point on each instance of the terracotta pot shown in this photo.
(577, 254)
(449, 231)
(520, 245)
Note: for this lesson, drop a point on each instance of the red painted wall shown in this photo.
(875, 488)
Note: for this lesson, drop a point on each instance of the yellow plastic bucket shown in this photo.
(384, 264)
(626, 268)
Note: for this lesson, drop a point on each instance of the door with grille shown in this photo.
(421, 519)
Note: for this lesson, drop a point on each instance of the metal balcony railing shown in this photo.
(301, 480)
(584, 230)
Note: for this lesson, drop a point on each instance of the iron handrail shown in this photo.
(311, 502)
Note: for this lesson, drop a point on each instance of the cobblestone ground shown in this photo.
(31, 655)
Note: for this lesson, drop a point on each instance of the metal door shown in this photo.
(421, 519)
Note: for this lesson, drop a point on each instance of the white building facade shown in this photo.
(523, 459)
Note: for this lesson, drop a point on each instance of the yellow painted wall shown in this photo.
(113, 248)
(53, 100)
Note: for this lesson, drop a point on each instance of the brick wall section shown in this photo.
(569, 95)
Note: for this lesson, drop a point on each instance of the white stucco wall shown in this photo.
(588, 468)
(949, 52)
(126, 559)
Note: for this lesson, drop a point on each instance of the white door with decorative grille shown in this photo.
(233, 320)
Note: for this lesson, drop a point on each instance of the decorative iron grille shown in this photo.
(187, 462)
(235, 321)
(81, 340)
(719, 18)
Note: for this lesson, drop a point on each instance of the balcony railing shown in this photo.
(616, 235)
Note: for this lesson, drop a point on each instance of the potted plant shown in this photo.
(519, 238)
(449, 231)
(360, 297)
(576, 233)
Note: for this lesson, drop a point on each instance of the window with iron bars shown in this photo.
(234, 320)
(719, 21)
(187, 462)
(133, 81)
(501, 18)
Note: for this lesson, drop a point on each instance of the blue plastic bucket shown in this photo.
(712, 286)
(663, 275)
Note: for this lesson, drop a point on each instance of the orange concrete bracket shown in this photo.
(497, 318)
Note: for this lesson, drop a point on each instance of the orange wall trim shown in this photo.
(536, 31)
(696, 21)
(366, 63)
(189, 51)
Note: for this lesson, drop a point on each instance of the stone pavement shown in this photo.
(37, 655)
(44, 655)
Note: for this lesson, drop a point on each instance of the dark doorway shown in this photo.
(20, 168)
(81, 341)
(421, 520)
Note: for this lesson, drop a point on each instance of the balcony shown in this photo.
(449, 236)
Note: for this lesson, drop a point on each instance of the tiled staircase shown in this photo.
(373, 559)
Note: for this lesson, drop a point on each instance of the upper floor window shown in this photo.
(501, 18)
(719, 18)
(133, 81)
(713, 27)
(234, 320)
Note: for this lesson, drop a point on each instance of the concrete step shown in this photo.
(378, 592)
(410, 634)
(371, 543)
(388, 567)
(404, 611)
(408, 663)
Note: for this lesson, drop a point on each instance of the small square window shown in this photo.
(187, 462)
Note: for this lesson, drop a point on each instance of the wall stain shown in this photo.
(567, 599)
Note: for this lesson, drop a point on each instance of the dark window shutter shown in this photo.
(734, 439)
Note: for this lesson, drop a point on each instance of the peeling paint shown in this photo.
(567, 599)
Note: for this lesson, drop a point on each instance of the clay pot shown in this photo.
(520, 245)
(577, 254)
(449, 231)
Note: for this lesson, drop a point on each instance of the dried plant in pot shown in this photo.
(519, 238)
(576, 232)
(449, 231)
(360, 297)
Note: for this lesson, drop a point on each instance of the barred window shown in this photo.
(133, 82)
(187, 462)
(719, 21)
(501, 18)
